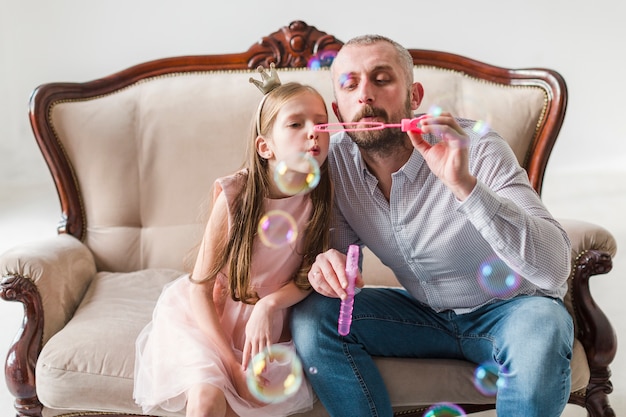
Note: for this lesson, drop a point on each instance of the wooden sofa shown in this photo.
(134, 155)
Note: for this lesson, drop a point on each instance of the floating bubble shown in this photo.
(445, 410)
(435, 110)
(322, 60)
(313, 370)
(486, 379)
(481, 127)
(274, 374)
(463, 107)
(497, 279)
(277, 228)
(297, 174)
(343, 79)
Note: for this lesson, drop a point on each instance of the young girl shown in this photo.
(208, 325)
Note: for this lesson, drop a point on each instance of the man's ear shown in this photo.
(263, 148)
(417, 93)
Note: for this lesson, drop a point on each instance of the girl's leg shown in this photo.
(205, 400)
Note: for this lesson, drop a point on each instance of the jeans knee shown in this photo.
(311, 320)
(543, 320)
(539, 338)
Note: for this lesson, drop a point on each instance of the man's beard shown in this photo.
(380, 141)
(383, 141)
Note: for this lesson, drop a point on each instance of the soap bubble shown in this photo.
(297, 174)
(497, 279)
(481, 127)
(445, 410)
(486, 379)
(274, 374)
(277, 228)
(344, 78)
(466, 108)
(435, 110)
(321, 60)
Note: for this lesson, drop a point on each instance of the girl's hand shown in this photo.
(241, 385)
(258, 331)
(449, 158)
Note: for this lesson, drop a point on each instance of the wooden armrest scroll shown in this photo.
(594, 329)
(23, 353)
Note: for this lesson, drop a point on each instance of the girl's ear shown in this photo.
(263, 148)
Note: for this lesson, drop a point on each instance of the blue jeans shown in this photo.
(530, 337)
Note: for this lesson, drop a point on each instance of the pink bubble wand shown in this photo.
(406, 125)
(345, 310)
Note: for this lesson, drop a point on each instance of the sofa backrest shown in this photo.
(134, 155)
(145, 159)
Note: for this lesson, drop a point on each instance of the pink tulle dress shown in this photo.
(173, 354)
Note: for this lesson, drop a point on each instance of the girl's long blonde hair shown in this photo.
(249, 207)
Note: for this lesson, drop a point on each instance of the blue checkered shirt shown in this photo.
(435, 244)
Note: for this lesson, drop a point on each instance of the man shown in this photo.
(433, 207)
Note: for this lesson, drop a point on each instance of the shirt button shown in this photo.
(398, 228)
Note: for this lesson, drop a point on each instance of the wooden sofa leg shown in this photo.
(23, 353)
(598, 390)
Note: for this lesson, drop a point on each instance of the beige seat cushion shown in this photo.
(77, 369)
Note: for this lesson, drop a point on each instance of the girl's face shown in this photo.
(293, 133)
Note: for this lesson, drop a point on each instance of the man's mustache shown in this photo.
(369, 111)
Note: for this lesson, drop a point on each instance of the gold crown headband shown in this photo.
(268, 83)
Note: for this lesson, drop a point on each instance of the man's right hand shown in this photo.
(328, 274)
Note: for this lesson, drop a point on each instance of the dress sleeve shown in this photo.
(231, 185)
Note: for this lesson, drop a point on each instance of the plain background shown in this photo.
(78, 40)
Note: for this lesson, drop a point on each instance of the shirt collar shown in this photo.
(410, 169)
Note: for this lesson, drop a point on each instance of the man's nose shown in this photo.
(365, 93)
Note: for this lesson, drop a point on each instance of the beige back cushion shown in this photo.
(145, 157)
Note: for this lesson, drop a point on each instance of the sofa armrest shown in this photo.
(59, 269)
(585, 236)
(49, 277)
(593, 248)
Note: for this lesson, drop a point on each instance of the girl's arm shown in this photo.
(201, 294)
(258, 328)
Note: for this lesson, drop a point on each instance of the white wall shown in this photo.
(78, 40)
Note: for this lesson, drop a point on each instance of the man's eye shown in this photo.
(347, 82)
